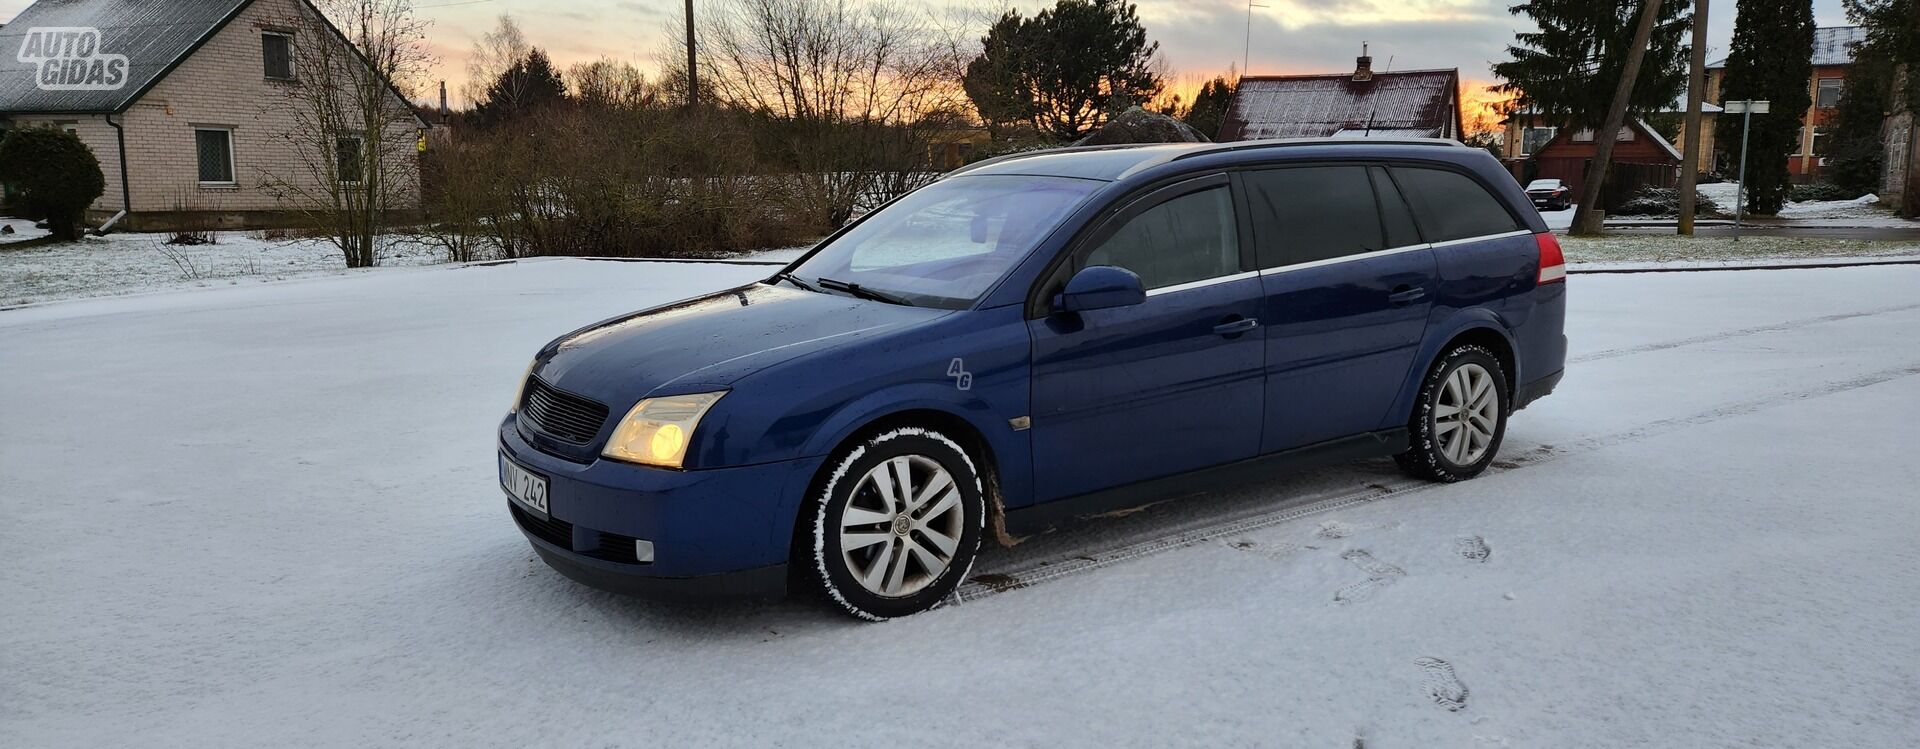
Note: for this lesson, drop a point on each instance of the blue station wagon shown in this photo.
(1033, 339)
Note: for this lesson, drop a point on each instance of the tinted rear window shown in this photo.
(1313, 213)
(1451, 205)
(1394, 212)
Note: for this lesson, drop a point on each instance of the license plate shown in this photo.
(524, 486)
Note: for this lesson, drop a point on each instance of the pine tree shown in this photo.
(1771, 60)
(529, 85)
(1857, 145)
(1566, 72)
(1066, 69)
(1893, 31)
(1209, 111)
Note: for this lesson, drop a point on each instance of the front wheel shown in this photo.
(1460, 418)
(897, 526)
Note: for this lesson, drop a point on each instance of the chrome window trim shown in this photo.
(1204, 282)
(1487, 238)
(1344, 259)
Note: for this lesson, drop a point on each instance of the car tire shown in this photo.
(1464, 397)
(874, 548)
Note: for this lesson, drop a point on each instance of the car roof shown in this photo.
(1112, 163)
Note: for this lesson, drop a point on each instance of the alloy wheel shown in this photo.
(1466, 414)
(902, 526)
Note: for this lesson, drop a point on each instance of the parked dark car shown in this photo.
(1033, 339)
(1549, 195)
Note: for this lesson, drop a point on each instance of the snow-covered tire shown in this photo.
(903, 532)
(1434, 452)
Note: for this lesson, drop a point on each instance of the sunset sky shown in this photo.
(1198, 37)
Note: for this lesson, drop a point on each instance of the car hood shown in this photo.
(710, 341)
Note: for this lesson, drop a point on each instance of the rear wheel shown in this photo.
(897, 526)
(1460, 418)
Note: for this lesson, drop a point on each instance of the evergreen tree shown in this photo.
(1893, 31)
(1209, 111)
(55, 175)
(1066, 69)
(1858, 146)
(529, 85)
(1566, 72)
(1771, 60)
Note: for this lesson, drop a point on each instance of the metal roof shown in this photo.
(154, 36)
(1318, 106)
(1832, 45)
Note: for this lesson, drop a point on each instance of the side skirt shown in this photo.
(1041, 517)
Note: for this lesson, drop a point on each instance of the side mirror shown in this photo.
(1101, 287)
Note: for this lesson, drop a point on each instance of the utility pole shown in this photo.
(693, 63)
(1696, 93)
(1587, 222)
(1246, 55)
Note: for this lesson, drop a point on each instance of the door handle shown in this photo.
(1236, 327)
(1407, 295)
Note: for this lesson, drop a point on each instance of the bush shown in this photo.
(1821, 191)
(1663, 202)
(54, 174)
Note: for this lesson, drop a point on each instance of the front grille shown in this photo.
(561, 415)
(551, 530)
(616, 548)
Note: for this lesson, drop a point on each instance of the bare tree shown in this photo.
(610, 84)
(857, 87)
(494, 53)
(352, 131)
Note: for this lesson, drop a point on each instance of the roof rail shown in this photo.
(1045, 152)
(1249, 145)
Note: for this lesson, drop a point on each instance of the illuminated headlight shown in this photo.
(520, 391)
(657, 430)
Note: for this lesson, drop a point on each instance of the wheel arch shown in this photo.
(1472, 327)
(960, 429)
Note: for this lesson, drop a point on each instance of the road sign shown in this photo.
(1748, 106)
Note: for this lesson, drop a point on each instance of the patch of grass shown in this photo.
(1660, 248)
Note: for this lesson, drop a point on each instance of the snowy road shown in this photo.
(266, 515)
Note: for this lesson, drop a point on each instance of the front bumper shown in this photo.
(716, 532)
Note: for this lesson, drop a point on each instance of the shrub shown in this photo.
(55, 175)
(1821, 191)
(1663, 202)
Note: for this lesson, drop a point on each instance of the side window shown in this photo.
(1313, 213)
(1451, 205)
(1189, 238)
(1394, 212)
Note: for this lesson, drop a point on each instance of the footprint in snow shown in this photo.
(1364, 560)
(1474, 548)
(1443, 685)
(1362, 590)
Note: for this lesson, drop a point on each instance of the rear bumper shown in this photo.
(1536, 390)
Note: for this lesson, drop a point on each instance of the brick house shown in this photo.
(186, 103)
(1832, 55)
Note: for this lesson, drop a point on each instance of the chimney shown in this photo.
(444, 112)
(1363, 70)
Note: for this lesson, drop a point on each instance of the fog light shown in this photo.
(643, 550)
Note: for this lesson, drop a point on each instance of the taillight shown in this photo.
(1553, 264)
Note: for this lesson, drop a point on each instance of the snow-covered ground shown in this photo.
(1864, 211)
(23, 230)
(133, 263)
(1669, 250)
(266, 515)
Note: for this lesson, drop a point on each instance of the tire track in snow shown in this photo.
(1724, 335)
(1073, 562)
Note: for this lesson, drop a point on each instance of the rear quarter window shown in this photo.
(1451, 205)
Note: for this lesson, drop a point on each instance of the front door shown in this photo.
(1160, 388)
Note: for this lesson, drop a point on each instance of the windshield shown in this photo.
(946, 244)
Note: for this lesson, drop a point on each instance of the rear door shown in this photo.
(1159, 388)
(1348, 283)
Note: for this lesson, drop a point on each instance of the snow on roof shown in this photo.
(1832, 45)
(153, 35)
(1661, 141)
(1318, 106)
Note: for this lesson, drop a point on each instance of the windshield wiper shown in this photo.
(795, 280)
(861, 291)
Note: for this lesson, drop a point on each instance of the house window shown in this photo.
(349, 161)
(1535, 138)
(276, 49)
(216, 155)
(1829, 93)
